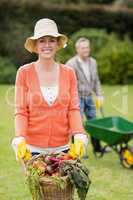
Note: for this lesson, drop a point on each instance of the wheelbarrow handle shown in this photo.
(101, 111)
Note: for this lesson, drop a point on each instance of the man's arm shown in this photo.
(97, 84)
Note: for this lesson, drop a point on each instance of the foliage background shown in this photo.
(72, 16)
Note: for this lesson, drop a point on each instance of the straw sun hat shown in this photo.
(44, 27)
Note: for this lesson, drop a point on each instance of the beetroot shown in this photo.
(52, 168)
(54, 159)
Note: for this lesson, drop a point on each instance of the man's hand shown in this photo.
(21, 151)
(99, 101)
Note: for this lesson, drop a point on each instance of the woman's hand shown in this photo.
(78, 146)
(21, 151)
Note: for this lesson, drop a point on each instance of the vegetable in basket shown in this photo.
(59, 168)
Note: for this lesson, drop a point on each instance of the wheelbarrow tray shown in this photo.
(111, 130)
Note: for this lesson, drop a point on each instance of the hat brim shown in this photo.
(30, 43)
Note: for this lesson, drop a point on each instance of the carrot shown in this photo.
(66, 157)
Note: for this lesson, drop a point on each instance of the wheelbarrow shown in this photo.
(116, 132)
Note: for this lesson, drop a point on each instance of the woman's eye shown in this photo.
(52, 40)
(41, 40)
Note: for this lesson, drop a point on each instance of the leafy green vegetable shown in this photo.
(33, 183)
(78, 174)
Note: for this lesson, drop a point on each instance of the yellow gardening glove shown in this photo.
(23, 152)
(99, 102)
(72, 152)
(77, 149)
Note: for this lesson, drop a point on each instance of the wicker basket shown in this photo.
(52, 191)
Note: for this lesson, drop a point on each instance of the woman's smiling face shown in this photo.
(47, 46)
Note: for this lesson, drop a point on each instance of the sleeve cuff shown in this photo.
(82, 137)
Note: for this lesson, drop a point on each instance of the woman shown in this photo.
(47, 108)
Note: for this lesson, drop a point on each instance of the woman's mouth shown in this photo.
(46, 50)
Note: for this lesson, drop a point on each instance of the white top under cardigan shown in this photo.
(49, 94)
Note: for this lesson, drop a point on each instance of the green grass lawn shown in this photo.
(110, 181)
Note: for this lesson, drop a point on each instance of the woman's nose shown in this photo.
(47, 43)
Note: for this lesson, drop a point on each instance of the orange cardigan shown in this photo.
(43, 125)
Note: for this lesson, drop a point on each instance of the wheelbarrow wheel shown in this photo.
(125, 164)
(126, 157)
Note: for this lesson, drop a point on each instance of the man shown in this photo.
(88, 82)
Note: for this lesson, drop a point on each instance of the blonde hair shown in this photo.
(59, 43)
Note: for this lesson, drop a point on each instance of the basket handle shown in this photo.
(22, 163)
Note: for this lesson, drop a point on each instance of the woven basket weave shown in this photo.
(52, 191)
